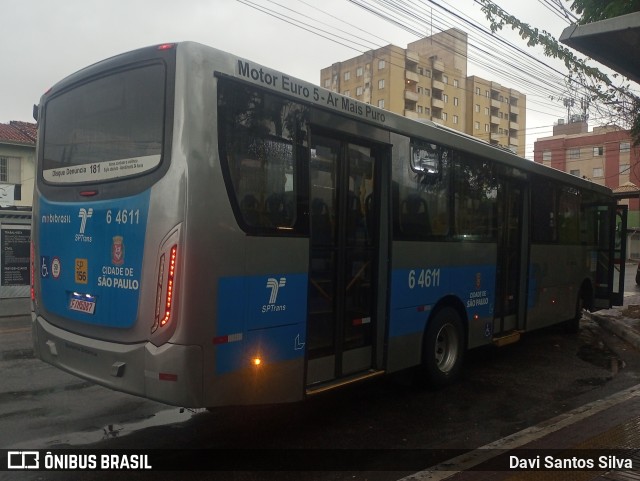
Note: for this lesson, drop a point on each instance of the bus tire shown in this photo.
(572, 326)
(443, 349)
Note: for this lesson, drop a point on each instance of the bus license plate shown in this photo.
(82, 305)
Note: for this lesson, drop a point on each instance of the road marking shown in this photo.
(480, 455)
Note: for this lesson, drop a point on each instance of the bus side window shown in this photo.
(414, 216)
(250, 208)
(421, 207)
(569, 216)
(262, 138)
(475, 198)
(543, 215)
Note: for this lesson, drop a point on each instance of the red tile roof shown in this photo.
(16, 132)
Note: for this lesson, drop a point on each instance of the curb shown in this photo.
(619, 328)
(14, 315)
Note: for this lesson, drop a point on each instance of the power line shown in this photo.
(515, 65)
(531, 88)
(485, 58)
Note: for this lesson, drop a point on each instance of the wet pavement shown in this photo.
(604, 434)
(599, 441)
(596, 442)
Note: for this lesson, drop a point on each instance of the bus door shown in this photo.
(342, 321)
(511, 262)
(619, 255)
(608, 260)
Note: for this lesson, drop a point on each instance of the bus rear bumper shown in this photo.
(171, 373)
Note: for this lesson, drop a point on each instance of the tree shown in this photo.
(595, 10)
(623, 105)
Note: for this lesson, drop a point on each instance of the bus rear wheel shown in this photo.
(443, 349)
(572, 326)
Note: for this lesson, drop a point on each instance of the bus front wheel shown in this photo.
(443, 350)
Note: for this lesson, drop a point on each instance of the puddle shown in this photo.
(596, 352)
(161, 418)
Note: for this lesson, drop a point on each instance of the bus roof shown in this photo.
(283, 84)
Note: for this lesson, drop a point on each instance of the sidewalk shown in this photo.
(599, 441)
(623, 321)
(15, 320)
(15, 307)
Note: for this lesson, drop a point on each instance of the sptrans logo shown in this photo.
(84, 214)
(274, 285)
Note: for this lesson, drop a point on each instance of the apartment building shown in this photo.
(605, 155)
(498, 114)
(428, 80)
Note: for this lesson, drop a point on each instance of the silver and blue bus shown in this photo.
(208, 231)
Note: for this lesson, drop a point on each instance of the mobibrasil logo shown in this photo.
(274, 285)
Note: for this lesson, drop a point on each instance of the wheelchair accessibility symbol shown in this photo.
(44, 266)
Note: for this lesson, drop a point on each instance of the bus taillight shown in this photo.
(33, 291)
(165, 303)
(170, 286)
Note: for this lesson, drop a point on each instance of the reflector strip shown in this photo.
(226, 339)
(160, 376)
(364, 320)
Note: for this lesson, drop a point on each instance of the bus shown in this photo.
(208, 231)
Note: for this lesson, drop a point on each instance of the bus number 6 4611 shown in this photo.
(124, 216)
(424, 278)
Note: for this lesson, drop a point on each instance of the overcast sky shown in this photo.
(45, 41)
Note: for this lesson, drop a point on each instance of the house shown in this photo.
(17, 163)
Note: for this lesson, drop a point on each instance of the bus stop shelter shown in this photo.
(15, 252)
(629, 190)
(612, 42)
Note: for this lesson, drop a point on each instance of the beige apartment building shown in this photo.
(428, 81)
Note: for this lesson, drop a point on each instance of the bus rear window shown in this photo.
(105, 129)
